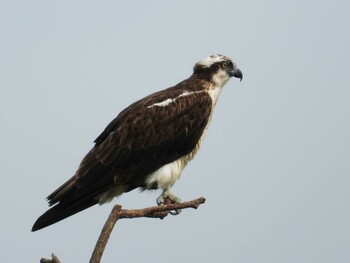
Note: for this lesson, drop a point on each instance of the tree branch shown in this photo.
(53, 260)
(119, 213)
(152, 212)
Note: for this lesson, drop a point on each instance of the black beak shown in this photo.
(237, 73)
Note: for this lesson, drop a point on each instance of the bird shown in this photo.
(147, 145)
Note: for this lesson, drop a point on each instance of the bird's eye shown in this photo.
(224, 65)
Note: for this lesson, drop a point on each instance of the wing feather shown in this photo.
(148, 134)
(143, 138)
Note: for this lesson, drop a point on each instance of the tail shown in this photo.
(61, 211)
(78, 193)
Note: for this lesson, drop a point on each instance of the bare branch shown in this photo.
(53, 259)
(152, 212)
(119, 213)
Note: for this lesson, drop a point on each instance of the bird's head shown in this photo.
(217, 69)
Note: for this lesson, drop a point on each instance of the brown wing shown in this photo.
(144, 137)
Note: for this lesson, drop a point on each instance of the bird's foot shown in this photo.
(169, 198)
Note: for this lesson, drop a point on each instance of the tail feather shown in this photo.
(62, 191)
(61, 211)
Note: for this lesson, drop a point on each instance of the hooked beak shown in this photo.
(237, 73)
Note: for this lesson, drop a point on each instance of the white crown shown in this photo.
(207, 62)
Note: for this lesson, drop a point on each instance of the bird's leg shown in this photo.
(167, 197)
(167, 194)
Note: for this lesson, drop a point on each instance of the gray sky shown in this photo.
(275, 163)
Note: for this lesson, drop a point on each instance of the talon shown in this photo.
(160, 200)
(175, 212)
(168, 198)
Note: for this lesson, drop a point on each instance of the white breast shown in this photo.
(214, 94)
(166, 176)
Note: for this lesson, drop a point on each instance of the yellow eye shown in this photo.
(224, 65)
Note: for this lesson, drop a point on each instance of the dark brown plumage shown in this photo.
(152, 132)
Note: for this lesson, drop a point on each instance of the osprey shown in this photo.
(147, 145)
